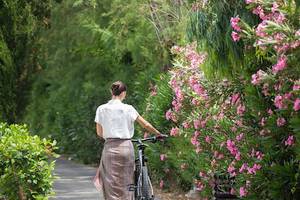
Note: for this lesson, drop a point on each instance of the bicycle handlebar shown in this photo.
(151, 139)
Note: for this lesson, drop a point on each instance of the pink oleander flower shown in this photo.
(231, 170)
(173, 82)
(260, 30)
(153, 93)
(296, 85)
(196, 133)
(290, 141)
(232, 191)
(254, 169)
(186, 125)
(220, 115)
(239, 123)
(177, 105)
(243, 192)
(270, 111)
(195, 102)
(174, 131)
(239, 137)
(258, 77)
(163, 157)
(263, 121)
(259, 155)
(194, 141)
(280, 121)
(279, 17)
(195, 58)
(192, 81)
(203, 123)
(280, 65)
(238, 156)
(208, 139)
(279, 102)
(279, 37)
(243, 168)
(235, 99)
(231, 147)
(233, 129)
(274, 7)
(249, 1)
(220, 156)
(168, 114)
(202, 174)
(197, 123)
(282, 48)
(241, 110)
(265, 89)
(278, 86)
(179, 94)
(173, 117)
(264, 132)
(297, 104)
(259, 11)
(161, 184)
(295, 44)
(287, 96)
(234, 23)
(198, 150)
(200, 90)
(199, 186)
(235, 36)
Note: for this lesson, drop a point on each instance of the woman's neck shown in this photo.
(116, 98)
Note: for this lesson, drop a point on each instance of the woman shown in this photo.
(115, 123)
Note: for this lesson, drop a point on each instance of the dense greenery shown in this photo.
(20, 22)
(103, 41)
(25, 172)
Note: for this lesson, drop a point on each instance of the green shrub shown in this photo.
(25, 172)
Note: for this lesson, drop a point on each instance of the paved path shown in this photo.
(74, 181)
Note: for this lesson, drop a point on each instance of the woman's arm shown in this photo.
(145, 124)
(99, 130)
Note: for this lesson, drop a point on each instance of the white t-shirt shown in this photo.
(117, 119)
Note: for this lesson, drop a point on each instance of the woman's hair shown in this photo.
(117, 88)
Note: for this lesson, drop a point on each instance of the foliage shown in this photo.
(20, 20)
(103, 41)
(246, 127)
(209, 26)
(25, 172)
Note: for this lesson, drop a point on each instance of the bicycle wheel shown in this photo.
(137, 181)
(147, 191)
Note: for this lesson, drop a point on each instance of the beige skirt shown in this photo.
(116, 170)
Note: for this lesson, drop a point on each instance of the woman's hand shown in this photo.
(99, 130)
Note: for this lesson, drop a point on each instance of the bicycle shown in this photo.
(142, 184)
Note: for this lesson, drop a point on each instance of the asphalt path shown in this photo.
(74, 181)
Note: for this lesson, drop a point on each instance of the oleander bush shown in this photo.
(244, 125)
(25, 169)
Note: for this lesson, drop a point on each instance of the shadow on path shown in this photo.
(74, 181)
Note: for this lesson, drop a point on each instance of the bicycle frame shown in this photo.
(141, 164)
(143, 186)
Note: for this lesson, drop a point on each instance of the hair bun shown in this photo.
(117, 88)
